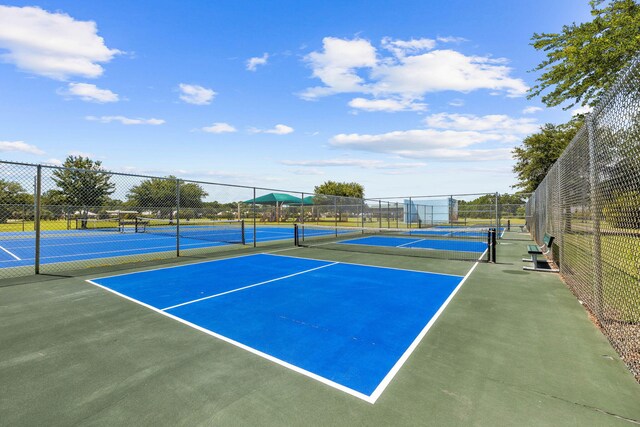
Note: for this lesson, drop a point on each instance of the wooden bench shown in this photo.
(534, 251)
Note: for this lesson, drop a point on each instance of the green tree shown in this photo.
(484, 206)
(344, 189)
(583, 60)
(539, 152)
(53, 198)
(160, 194)
(82, 183)
(15, 202)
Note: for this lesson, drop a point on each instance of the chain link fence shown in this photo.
(590, 202)
(56, 219)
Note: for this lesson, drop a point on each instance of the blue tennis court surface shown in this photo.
(350, 326)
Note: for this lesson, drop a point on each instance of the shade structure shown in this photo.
(308, 201)
(276, 199)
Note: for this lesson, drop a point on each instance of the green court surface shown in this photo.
(512, 348)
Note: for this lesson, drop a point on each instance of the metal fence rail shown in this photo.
(590, 201)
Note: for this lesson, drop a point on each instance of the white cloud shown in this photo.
(413, 70)
(455, 137)
(401, 48)
(20, 146)
(442, 70)
(456, 102)
(307, 171)
(426, 144)
(585, 109)
(497, 123)
(53, 45)
(417, 140)
(388, 105)
(336, 66)
(197, 95)
(362, 163)
(252, 63)
(531, 110)
(54, 162)
(125, 120)
(90, 93)
(219, 128)
(277, 130)
(451, 39)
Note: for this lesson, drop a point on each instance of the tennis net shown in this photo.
(94, 224)
(438, 242)
(224, 231)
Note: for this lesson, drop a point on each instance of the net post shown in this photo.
(397, 215)
(36, 218)
(242, 231)
(253, 202)
(493, 246)
(296, 241)
(177, 217)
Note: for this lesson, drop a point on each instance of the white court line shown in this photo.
(410, 243)
(392, 373)
(245, 347)
(11, 253)
(248, 286)
(386, 380)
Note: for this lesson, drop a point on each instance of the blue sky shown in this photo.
(405, 97)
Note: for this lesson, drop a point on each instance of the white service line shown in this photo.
(387, 379)
(411, 242)
(11, 253)
(244, 347)
(248, 286)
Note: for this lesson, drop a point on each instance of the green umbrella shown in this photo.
(276, 199)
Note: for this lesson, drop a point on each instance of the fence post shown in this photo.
(177, 217)
(36, 217)
(335, 212)
(595, 212)
(409, 218)
(302, 209)
(253, 202)
(497, 215)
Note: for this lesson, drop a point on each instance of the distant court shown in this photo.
(17, 249)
